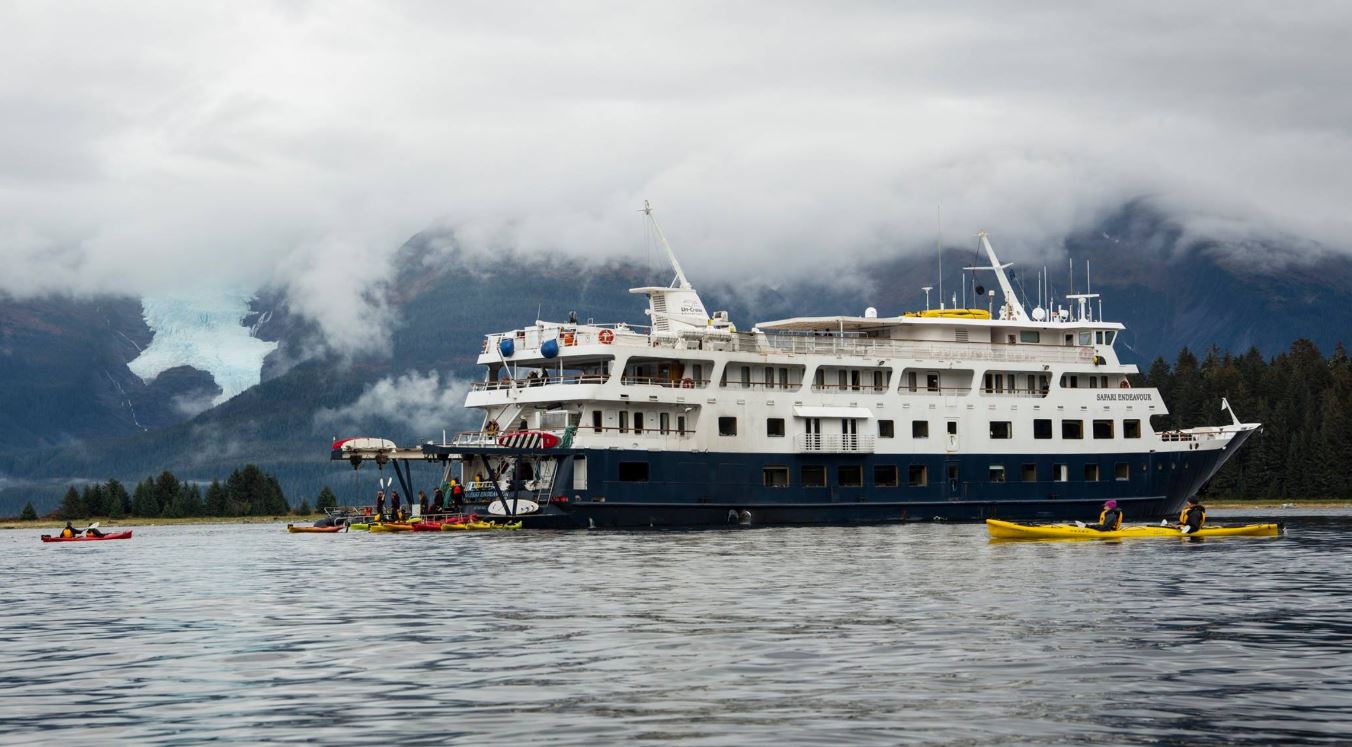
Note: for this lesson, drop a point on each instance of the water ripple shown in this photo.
(876, 635)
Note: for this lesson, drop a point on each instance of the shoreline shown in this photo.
(106, 523)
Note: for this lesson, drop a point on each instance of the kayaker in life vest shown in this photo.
(395, 508)
(458, 496)
(1110, 519)
(69, 531)
(93, 532)
(1193, 516)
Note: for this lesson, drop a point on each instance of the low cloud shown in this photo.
(425, 404)
(157, 147)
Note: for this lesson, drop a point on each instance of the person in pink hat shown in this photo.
(1110, 519)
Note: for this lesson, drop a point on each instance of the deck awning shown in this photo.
(851, 413)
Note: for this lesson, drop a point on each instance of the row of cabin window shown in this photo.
(854, 380)
(664, 422)
(999, 429)
(887, 475)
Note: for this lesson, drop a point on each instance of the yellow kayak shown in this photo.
(359, 527)
(391, 527)
(507, 525)
(1009, 530)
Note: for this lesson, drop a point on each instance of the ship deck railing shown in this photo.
(649, 430)
(800, 344)
(833, 443)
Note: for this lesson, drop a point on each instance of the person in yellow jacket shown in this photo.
(69, 531)
(1110, 518)
(1193, 516)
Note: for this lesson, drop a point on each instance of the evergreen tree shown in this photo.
(28, 514)
(71, 505)
(187, 502)
(143, 500)
(166, 490)
(118, 502)
(303, 509)
(217, 500)
(326, 499)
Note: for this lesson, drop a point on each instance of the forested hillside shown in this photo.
(1302, 398)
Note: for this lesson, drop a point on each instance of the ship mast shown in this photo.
(679, 281)
(1012, 305)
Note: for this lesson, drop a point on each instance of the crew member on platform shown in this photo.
(1110, 519)
(395, 508)
(438, 501)
(422, 503)
(1193, 516)
(380, 505)
(458, 496)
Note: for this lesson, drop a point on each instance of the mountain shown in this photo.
(69, 399)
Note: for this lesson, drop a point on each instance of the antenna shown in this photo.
(939, 246)
(927, 289)
(680, 280)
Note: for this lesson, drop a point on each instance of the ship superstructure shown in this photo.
(961, 414)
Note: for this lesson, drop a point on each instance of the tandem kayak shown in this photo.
(110, 536)
(292, 528)
(1009, 530)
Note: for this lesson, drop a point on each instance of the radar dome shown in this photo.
(1039, 314)
(870, 313)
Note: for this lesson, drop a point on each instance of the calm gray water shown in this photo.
(873, 635)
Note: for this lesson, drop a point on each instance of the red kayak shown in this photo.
(427, 526)
(110, 536)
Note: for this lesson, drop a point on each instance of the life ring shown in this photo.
(687, 383)
(606, 337)
(1124, 385)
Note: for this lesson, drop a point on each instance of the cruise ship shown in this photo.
(957, 414)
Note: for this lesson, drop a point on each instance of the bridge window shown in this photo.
(633, 471)
(814, 476)
(885, 475)
(727, 426)
(1131, 429)
(850, 476)
(775, 477)
(917, 476)
(1030, 335)
(1000, 429)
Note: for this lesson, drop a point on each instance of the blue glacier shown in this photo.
(204, 331)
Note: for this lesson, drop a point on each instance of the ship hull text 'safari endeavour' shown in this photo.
(950, 413)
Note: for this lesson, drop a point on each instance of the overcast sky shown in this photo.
(147, 146)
